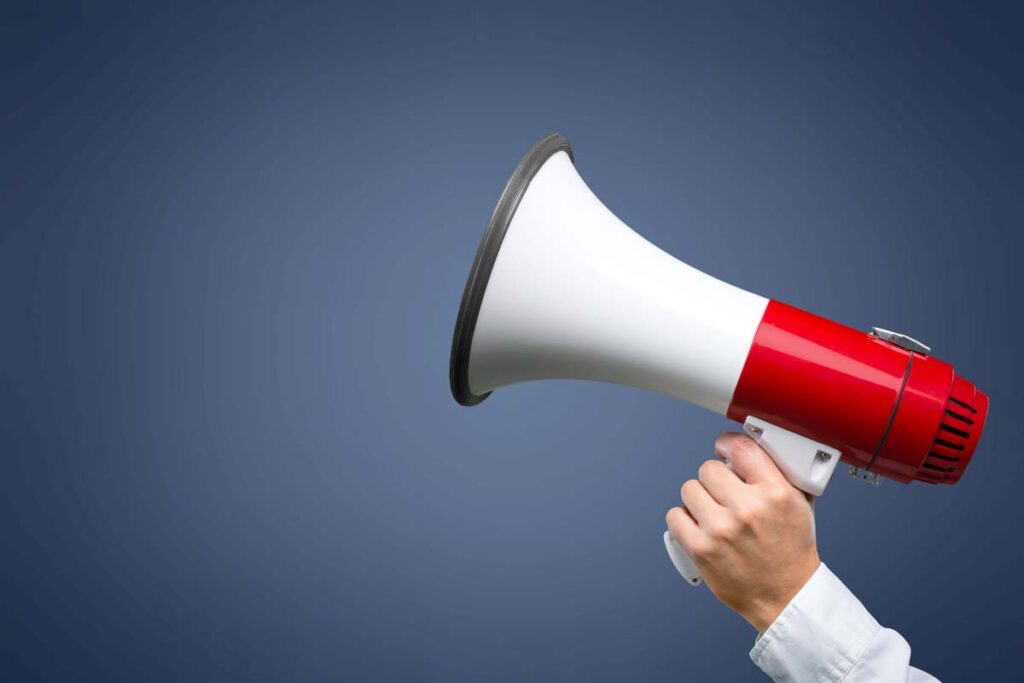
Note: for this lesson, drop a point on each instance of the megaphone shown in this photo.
(560, 288)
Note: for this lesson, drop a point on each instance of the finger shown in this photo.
(722, 483)
(699, 502)
(748, 459)
(684, 530)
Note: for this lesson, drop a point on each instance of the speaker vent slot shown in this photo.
(955, 438)
(948, 444)
(934, 455)
(958, 416)
(953, 430)
(960, 403)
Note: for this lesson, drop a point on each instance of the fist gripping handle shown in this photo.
(807, 464)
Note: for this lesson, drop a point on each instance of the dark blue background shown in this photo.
(232, 245)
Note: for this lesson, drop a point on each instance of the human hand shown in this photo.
(749, 531)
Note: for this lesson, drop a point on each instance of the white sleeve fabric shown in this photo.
(825, 635)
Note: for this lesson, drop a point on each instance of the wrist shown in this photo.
(766, 608)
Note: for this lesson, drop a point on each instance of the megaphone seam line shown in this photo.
(895, 409)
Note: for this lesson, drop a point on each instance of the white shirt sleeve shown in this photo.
(826, 635)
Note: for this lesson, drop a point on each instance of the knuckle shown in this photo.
(672, 516)
(689, 487)
(707, 468)
(723, 530)
(749, 513)
(779, 493)
(701, 550)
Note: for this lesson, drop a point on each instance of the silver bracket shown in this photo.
(865, 475)
(901, 340)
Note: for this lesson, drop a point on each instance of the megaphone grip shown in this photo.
(684, 564)
(807, 464)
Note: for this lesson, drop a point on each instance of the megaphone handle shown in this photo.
(684, 564)
(807, 464)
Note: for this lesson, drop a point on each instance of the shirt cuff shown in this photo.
(820, 636)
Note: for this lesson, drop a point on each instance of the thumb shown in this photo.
(748, 460)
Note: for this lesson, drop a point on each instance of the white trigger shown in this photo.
(807, 464)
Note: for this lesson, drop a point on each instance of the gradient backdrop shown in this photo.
(232, 246)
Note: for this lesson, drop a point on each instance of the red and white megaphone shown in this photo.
(562, 289)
